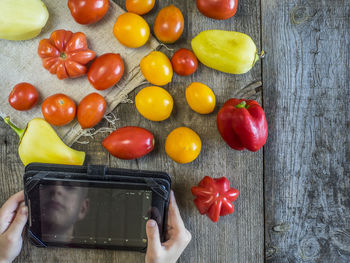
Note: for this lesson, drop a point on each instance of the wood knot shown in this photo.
(309, 249)
(284, 227)
(299, 15)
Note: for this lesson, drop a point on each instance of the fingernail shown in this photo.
(24, 210)
(151, 223)
(22, 204)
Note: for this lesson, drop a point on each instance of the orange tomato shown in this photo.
(183, 145)
(169, 24)
(131, 30)
(139, 7)
(200, 98)
(156, 68)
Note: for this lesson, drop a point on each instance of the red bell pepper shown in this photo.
(214, 197)
(242, 124)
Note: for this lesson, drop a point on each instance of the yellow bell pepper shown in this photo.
(40, 143)
(226, 51)
(22, 19)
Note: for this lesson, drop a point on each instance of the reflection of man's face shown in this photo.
(62, 206)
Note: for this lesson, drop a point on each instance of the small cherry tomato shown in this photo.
(183, 145)
(58, 109)
(184, 62)
(106, 71)
(88, 11)
(91, 110)
(217, 9)
(129, 142)
(154, 103)
(200, 98)
(156, 68)
(139, 7)
(23, 96)
(169, 24)
(131, 30)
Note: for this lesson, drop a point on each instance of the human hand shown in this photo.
(13, 217)
(177, 237)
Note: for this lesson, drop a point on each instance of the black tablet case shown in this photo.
(159, 182)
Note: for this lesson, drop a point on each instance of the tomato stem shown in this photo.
(63, 55)
(20, 132)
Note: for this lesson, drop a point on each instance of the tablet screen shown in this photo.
(93, 215)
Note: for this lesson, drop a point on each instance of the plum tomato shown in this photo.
(139, 7)
(58, 109)
(131, 30)
(23, 96)
(106, 71)
(217, 9)
(157, 68)
(200, 98)
(169, 24)
(129, 142)
(88, 11)
(184, 62)
(154, 103)
(91, 110)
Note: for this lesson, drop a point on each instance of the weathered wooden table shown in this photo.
(294, 203)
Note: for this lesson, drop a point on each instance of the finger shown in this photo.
(154, 245)
(12, 203)
(174, 216)
(16, 227)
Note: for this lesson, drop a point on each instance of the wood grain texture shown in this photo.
(236, 238)
(306, 97)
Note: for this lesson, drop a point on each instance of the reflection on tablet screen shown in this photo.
(81, 215)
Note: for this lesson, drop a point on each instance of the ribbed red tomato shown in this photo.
(91, 110)
(23, 96)
(184, 62)
(88, 11)
(129, 142)
(217, 9)
(58, 109)
(106, 71)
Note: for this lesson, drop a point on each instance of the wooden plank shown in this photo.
(237, 238)
(306, 98)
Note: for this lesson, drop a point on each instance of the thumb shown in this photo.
(17, 225)
(154, 245)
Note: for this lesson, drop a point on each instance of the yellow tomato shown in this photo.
(154, 103)
(200, 98)
(139, 7)
(131, 30)
(157, 68)
(183, 145)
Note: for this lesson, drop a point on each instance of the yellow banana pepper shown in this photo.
(226, 51)
(22, 19)
(40, 143)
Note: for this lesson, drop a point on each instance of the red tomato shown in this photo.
(169, 24)
(129, 142)
(106, 71)
(139, 7)
(23, 96)
(91, 110)
(184, 62)
(217, 9)
(58, 109)
(88, 11)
